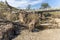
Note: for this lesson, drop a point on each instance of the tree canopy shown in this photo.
(45, 5)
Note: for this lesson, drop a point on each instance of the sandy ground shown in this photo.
(48, 34)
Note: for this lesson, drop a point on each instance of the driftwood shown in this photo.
(4, 30)
(27, 21)
(7, 30)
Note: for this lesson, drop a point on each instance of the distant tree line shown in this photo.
(43, 6)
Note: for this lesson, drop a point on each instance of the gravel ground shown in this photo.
(48, 34)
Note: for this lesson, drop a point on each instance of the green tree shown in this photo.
(45, 5)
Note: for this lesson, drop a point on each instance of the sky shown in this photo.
(35, 4)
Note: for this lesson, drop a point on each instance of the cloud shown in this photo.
(2, 0)
(23, 3)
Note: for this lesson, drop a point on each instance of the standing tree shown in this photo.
(45, 5)
(29, 7)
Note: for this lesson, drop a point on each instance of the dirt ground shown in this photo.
(48, 34)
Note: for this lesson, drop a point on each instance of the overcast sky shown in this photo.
(34, 3)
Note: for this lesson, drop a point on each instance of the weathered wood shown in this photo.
(44, 10)
(4, 29)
